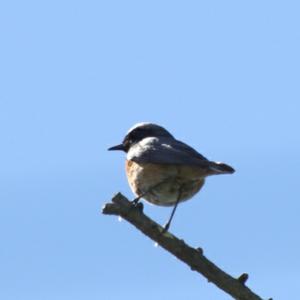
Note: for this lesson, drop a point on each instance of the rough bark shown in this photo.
(193, 257)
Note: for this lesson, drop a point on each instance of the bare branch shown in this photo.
(194, 258)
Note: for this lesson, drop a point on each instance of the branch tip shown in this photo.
(200, 250)
(243, 278)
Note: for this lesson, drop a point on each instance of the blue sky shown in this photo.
(222, 76)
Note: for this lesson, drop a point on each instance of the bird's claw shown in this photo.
(136, 204)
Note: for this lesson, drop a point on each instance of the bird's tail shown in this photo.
(221, 168)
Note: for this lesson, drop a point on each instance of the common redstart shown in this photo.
(163, 170)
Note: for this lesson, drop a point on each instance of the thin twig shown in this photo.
(194, 258)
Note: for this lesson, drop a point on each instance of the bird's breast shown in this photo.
(161, 183)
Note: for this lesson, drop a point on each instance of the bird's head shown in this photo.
(140, 131)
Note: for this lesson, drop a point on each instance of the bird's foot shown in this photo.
(166, 227)
(135, 201)
(136, 204)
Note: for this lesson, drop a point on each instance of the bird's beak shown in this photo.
(118, 147)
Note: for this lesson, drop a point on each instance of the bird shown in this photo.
(163, 170)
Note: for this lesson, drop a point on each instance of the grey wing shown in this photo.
(165, 151)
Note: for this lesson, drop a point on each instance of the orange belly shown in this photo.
(163, 184)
